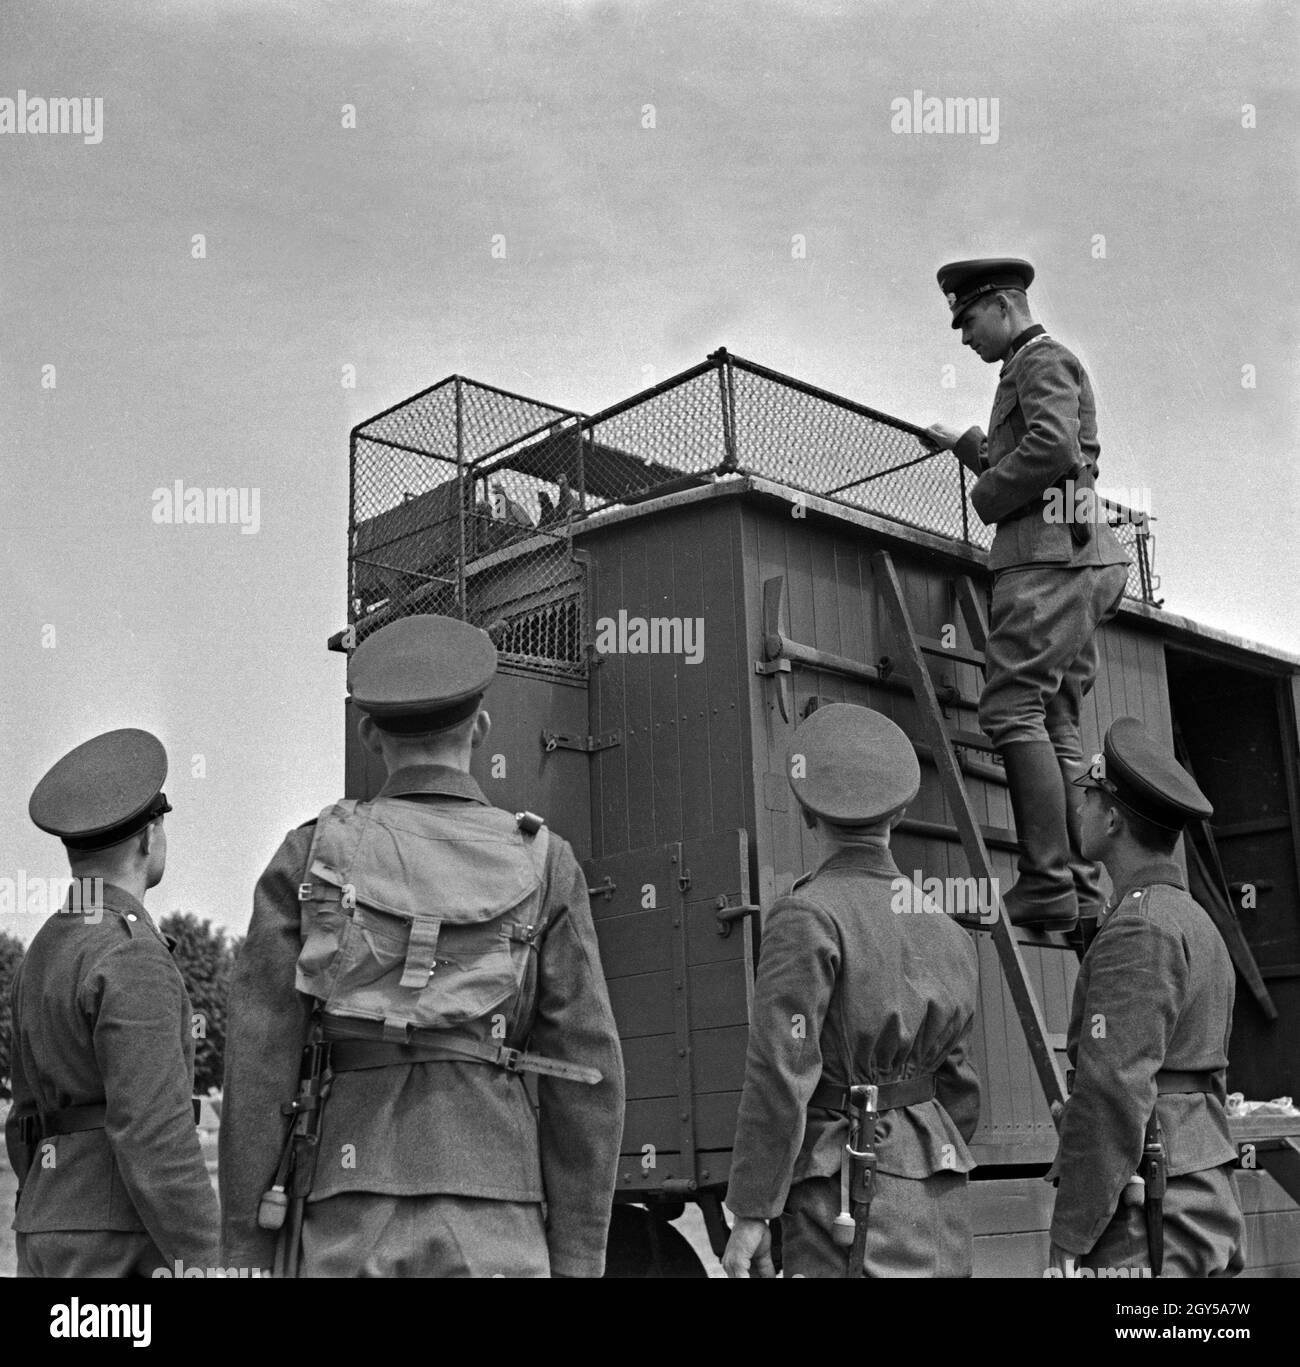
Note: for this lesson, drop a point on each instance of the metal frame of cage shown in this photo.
(502, 479)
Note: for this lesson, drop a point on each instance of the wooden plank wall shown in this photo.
(512, 768)
(680, 774)
(1011, 1217)
(832, 605)
(680, 994)
(682, 769)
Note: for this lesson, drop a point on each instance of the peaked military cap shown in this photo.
(1144, 777)
(104, 791)
(963, 282)
(856, 765)
(422, 673)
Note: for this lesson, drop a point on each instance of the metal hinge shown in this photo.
(556, 740)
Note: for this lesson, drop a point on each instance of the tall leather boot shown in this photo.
(1044, 894)
(1086, 873)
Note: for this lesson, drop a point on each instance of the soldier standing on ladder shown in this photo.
(859, 1094)
(1059, 573)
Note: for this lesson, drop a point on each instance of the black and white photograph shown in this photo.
(650, 641)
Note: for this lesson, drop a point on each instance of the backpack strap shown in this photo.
(328, 886)
(534, 830)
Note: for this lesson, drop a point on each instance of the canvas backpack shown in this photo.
(423, 924)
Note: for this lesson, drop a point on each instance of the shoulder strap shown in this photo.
(347, 805)
(537, 836)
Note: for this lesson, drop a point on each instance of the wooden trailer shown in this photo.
(675, 583)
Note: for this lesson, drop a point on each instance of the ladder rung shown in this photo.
(931, 646)
(973, 740)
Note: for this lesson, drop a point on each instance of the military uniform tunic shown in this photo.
(1154, 993)
(850, 990)
(460, 1131)
(1049, 595)
(101, 1015)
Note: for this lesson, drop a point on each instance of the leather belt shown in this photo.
(1036, 504)
(891, 1096)
(1170, 1082)
(350, 1054)
(73, 1120)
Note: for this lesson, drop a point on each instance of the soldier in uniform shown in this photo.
(102, 1130)
(1148, 1041)
(432, 950)
(860, 982)
(1059, 573)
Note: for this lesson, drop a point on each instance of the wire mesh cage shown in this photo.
(465, 497)
(462, 505)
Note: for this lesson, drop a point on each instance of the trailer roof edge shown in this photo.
(913, 537)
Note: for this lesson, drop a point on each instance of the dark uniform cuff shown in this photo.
(967, 449)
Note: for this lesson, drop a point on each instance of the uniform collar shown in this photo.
(114, 898)
(1028, 335)
(438, 779)
(1021, 340)
(1156, 871)
(874, 857)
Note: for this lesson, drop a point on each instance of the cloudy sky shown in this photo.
(631, 252)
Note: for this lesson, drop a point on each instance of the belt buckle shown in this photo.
(864, 1096)
(509, 1058)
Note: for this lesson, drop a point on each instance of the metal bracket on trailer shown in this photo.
(557, 740)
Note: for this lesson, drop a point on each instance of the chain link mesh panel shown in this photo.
(460, 505)
(838, 450)
(464, 497)
(675, 430)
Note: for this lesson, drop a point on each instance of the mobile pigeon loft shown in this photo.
(672, 584)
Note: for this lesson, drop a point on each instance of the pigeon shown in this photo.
(564, 501)
(547, 508)
(506, 509)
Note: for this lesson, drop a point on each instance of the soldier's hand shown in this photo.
(1061, 1263)
(749, 1250)
(943, 436)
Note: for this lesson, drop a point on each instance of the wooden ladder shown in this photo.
(941, 741)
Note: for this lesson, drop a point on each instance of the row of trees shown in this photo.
(205, 955)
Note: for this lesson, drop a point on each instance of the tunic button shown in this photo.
(130, 916)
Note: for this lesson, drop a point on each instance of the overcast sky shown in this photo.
(631, 252)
